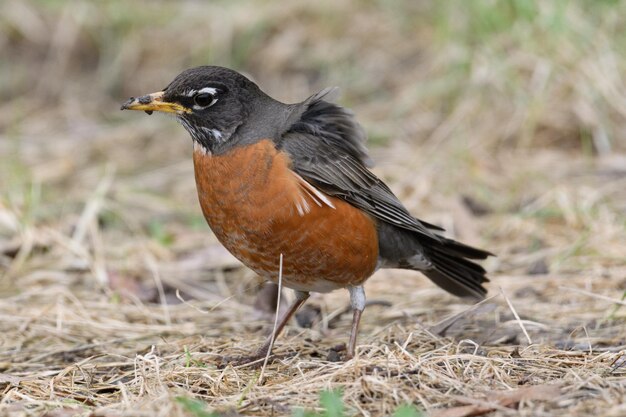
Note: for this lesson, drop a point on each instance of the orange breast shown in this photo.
(258, 208)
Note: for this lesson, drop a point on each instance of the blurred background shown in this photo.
(504, 121)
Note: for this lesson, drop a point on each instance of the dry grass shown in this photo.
(502, 121)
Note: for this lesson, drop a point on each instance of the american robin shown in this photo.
(292, 179)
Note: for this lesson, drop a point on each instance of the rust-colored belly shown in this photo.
(254, 204)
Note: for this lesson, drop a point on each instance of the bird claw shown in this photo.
(339, 353)
(252, 361)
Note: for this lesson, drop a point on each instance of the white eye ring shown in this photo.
(204, 100)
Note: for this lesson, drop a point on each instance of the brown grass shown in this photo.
(503, 125)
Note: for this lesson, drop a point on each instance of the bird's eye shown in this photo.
(205, 99)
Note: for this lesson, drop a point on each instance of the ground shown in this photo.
(502, 121)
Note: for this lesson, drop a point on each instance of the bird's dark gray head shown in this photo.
(218, 107)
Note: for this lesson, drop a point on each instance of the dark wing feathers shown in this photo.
(331, 124)
(327, 148)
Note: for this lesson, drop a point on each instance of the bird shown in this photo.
(287, 188)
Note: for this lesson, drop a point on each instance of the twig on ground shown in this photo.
(517, 317)
(269, 350)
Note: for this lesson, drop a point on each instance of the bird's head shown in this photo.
(216, 105)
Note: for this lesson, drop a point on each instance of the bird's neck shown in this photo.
(269, 119)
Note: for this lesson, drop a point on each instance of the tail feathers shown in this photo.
(464, 251)
(452, 271)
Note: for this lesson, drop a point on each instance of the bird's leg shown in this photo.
(301, 297)
(357, 301)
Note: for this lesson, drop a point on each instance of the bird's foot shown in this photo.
(252, 361)
(339, 353)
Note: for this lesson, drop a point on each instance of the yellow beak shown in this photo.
(154, 102)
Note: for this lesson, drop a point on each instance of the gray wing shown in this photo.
(326, 148)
